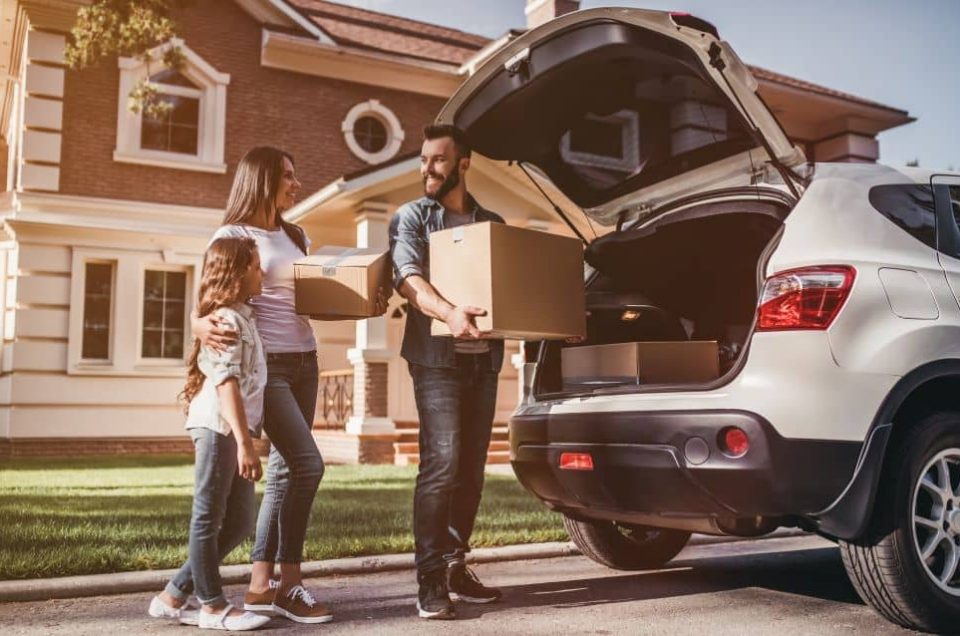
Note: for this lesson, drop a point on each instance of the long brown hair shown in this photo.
(224, 266)
(255, 187)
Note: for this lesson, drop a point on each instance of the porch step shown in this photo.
(499, 434)
(413, 448)
(493, 457)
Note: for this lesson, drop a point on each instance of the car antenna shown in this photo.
(556, 208)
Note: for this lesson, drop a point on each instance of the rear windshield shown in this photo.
(910, 207)
(628, 110)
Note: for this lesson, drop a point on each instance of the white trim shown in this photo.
(342, 186)
(211, 125)
(301, 55)
(168, 160)
(373, 108)
(302, 21)
(114, 214)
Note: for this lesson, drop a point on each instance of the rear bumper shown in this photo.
(641, 467)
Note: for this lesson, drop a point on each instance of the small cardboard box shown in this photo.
(530, 282)
(341, 283)
(641, 363)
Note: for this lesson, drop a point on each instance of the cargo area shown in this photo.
(684, 286)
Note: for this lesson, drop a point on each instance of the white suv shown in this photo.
(830, 289)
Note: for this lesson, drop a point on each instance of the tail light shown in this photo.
(576, 461)
(734, 442)
(804, 298)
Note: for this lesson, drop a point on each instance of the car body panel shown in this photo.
(525, 65)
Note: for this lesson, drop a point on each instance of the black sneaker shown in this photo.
(465, 586)
(433, 599)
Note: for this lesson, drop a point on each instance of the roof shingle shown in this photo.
(391, 34)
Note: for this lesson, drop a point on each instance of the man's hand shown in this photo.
(248, 464)
(460, 320)
(212, 331)
(383, 298)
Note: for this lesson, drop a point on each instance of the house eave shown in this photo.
(303, 55)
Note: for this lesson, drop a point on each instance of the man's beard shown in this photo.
(450, 182)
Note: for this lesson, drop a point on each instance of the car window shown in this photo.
(955, 204)
(910, 207)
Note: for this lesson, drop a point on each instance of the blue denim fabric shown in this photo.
(456, 408)
(410, 230)
(294, 468)
(224, 510)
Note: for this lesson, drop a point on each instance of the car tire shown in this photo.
(624, 546)
(916, 506)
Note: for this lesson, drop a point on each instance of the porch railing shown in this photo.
(335, 403)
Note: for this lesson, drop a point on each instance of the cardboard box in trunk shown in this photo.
(641, 363)
(341, 283)
(530, 282)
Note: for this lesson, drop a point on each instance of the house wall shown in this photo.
(299, 113)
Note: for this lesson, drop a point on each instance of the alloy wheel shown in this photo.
(935, 520)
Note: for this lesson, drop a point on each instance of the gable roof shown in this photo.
(764, 75)
(390, 34)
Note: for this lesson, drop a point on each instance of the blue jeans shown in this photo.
(224, 508)
(294, 468)
(456, 409)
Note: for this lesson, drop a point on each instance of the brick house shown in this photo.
(106, 213)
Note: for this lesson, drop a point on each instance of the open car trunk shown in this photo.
(694, 275)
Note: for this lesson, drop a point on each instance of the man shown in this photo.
(454, 380)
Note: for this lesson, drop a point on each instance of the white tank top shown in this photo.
(280, 328)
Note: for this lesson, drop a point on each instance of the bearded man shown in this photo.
(454, 380)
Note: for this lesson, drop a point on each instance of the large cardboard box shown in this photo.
(341, 283)
(693, 361)
(530, 282)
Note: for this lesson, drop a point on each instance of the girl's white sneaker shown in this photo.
(185, 614)
(223, 621)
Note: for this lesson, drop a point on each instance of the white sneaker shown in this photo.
(223, 621)
(185, 614)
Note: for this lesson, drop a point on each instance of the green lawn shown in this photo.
(94, 515)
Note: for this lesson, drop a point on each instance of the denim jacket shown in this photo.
(243, 360)
(410, 230)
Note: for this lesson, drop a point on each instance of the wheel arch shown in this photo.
(931, 387)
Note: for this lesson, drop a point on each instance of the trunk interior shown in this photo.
(695, 275)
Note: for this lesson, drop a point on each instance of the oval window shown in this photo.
(370, 133)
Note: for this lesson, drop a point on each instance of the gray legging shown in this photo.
(295, 468)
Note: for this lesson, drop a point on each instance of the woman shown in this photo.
(264, 186)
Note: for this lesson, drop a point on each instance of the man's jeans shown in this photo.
(456, 408)
(224, 509)
(295, 468)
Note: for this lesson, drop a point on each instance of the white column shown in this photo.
(39, 134)
(370, 356)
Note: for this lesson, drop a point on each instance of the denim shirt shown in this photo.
(410, 230)
(243, 360)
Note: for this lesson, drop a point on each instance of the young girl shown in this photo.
(224, 390)
(264, 186)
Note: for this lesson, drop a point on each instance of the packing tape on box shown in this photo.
(458, 234)
(330, 269)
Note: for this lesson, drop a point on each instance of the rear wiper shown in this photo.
(556, 208)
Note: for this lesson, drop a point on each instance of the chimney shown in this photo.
(540, 11)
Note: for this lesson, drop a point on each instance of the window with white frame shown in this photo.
(178, 128)
(97, 310)
(164, 314)
(372, 132)
(129, 311)
(191, 134)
